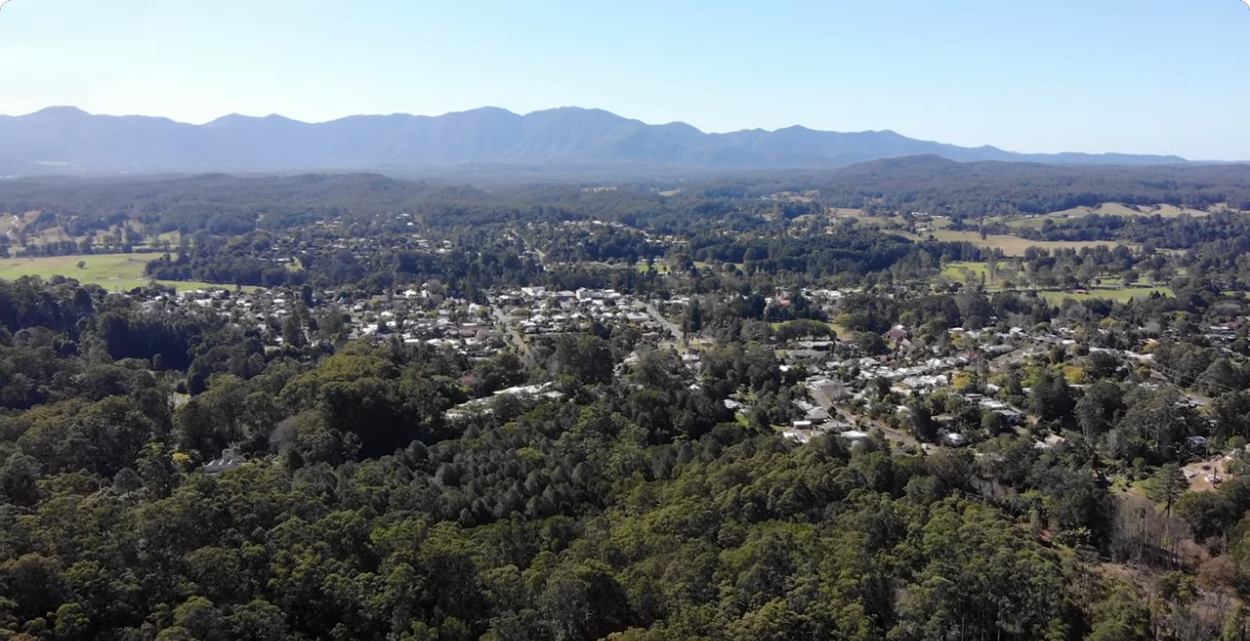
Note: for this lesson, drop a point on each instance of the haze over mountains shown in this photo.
(68, 140)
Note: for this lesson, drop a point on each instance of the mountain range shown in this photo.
(61, 140)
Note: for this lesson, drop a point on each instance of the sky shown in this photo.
(1134, 76)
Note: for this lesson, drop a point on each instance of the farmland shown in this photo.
(1010, 245)
(938, 230)
(118, 272)
(1120, 295)
(1106, 209)
(962, 271)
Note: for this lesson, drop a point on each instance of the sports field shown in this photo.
(118, 272)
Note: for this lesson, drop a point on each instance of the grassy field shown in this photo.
(659, 267)
(118, 272)
(1105, 209)
(961, 270)
(172, 236)
(1011, 245)
(1116, 295)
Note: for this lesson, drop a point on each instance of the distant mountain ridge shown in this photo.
(69, 140)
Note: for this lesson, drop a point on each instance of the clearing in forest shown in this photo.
(118, 272)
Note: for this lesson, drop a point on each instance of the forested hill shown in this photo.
(919, 183)
(217, 202)
(65, 139)
(938, 185)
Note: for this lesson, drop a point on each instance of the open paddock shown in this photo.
(1118, 295)
(117, 272)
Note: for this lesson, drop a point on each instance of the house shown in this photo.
(228, 461)
(1009, 417)
(855, 436)
(817, 414)
(828, 390)
(1049, 442)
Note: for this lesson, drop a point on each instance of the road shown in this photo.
(668, 324)
(505, 322)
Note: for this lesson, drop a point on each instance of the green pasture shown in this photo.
(117, 272)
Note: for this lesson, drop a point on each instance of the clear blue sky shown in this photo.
(1143, 76)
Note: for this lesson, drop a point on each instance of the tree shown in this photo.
(72, 621)
(19, 477)
(1098, 408)
(871, 343)
(1051, 397)
(293, 332)
(1220, 378)
(1235, 625)
(1167, 485)
(1208, 513)
(923, 427)
(993, 423)
(1231, 414)
(1156, 423)
(1101, 364)
(692, 322)
(587, 358)
(257, 620)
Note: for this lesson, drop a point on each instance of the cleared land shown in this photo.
(1117, 295)
(659, 266)
(118, 272)
(1198, 472)
(1012, 245)
(1105, 209)
(960, 270)
(13, 225)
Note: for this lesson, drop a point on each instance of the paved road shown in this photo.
(505, 321)
(668, 324)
